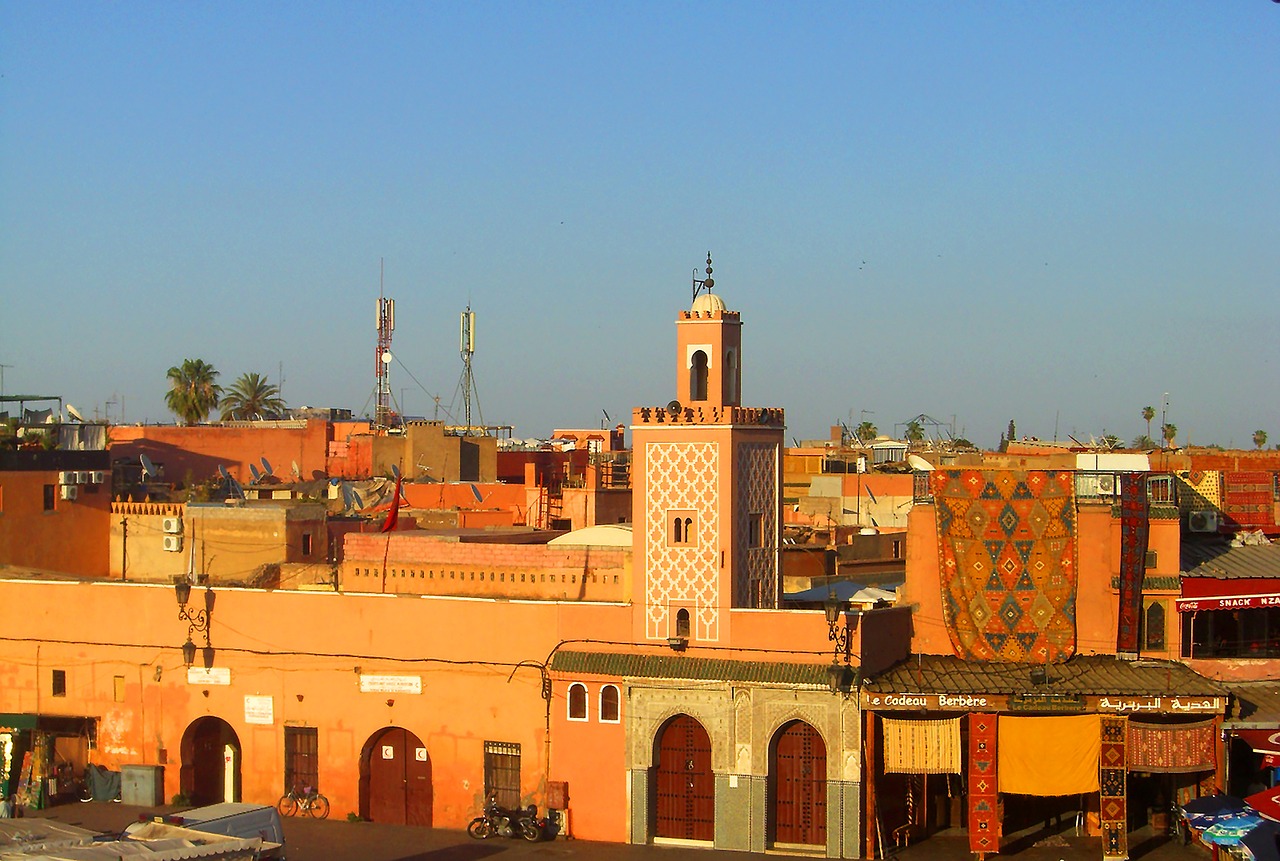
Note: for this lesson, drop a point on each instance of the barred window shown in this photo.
(502, 772)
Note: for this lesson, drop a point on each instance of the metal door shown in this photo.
(399, 778)
(799, 786)
(684, 786)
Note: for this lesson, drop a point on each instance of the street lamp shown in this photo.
(197, 621)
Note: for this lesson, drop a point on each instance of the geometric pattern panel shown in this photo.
(1134, 526)
(984, 796)
(755, 582)
(1248, 498)
(1007, 560)
(1173, 748)
(682, 477)
(1112, 769)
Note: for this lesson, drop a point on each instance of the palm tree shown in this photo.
(915, 431)
(252, 397)
(1112, 441)
(1259, 438)
(1148, 413)
(1144, 442)
(193, 392)
(1170, 433)
(866, 432)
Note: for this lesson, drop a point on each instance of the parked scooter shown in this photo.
(501, 822)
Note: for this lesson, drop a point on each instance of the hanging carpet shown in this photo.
(984, 793)
(1112, 788)
(1172, 748)
(1134, 526)
(921, 746)
(1007, 562)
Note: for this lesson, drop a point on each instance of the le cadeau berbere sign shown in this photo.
(1054, 703)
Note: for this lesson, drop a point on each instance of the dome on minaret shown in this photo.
(707, 303)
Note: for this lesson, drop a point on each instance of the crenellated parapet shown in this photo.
(709, 415)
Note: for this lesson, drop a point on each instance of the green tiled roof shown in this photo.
(677, 666)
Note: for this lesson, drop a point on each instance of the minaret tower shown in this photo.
(707, 485)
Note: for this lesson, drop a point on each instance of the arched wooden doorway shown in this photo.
(684, 792)
(210, 770)
(395, 778)
(798, 786)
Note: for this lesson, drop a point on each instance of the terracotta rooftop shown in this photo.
(1097, 675)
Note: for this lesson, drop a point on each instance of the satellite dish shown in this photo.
(148, 468)
(764, 417)
(234, 487)
(919, 464)
(266, 464)
(297, 473)
(74, 413)
(673, 407)
(386, 357)
(257, 476)
(222, 471)
(395, 470)
(348, 496)
(475, 491)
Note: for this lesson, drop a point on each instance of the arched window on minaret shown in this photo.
(731, 377)
(698, 376)
(682, 623)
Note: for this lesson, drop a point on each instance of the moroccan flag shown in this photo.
(393, 516)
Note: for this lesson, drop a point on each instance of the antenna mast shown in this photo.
(382, 358)
(467, 349)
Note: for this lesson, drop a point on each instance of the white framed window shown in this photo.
(577, 701)
(610, 706)
(682, 528)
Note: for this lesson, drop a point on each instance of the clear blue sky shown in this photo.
(1050, 212)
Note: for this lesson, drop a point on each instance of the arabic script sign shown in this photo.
(1200, 705)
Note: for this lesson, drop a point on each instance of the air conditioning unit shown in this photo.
(171, 525)
(1202, 521)
(98, 476)
(66, 478)
(1108, 484)
(82, 478)
(69, 491)
(173, 543)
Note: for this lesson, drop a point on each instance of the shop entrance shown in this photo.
(395, 778)
(683, 785)
(798, 786)
(210, 770)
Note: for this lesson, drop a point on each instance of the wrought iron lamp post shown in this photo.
(197, 622)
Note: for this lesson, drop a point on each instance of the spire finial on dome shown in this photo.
(699, 285)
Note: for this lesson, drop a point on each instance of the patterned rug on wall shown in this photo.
(984, 795)
(1007, 562)
(1173, 748)
(1112, 770)
(1134, 527)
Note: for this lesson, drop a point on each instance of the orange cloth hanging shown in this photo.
(1049, 755)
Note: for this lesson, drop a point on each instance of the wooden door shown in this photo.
(399, 779)
(684, 785)
(799, 786)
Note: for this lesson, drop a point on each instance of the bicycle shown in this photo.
(309, 801)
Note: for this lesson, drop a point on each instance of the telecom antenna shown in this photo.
(467, 349)
(382, 358)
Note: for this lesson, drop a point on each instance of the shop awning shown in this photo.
(1261, 740)
(1215, 593)
(17, 721)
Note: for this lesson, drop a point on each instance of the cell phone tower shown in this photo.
(467, 349)
(382, 360)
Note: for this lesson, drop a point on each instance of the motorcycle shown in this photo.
(502, 822)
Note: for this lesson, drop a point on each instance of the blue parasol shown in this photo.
(1202, 812)
(1229, 831)
(1261, 842)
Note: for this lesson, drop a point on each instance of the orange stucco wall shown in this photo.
(70, 539)
(193, 454)
(302, 650)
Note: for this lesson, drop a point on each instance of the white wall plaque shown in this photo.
(388, 751)
(420, 754)
(258, 709)
(370, 684)
(211, 676)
